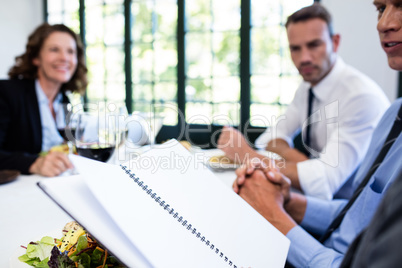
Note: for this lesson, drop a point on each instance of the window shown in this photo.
(167, 56)
(274, 79)
(154, 57)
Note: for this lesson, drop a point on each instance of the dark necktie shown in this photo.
(309, 110)
(392, 136)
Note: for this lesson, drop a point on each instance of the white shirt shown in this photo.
(347, 106)
(50, 135)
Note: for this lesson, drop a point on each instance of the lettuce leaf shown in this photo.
(38, 253)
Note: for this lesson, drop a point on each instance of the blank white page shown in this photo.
(74, 197)
(239, 235)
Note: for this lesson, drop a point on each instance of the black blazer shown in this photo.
(20, 124)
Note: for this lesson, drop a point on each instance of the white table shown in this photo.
(26, 213)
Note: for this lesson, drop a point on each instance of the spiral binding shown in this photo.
(177, 216)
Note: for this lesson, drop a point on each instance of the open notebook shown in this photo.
(166, 209)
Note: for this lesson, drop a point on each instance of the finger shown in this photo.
(49, 170)
(255, 162)
(244, 171)
(268, 165)
(250, 170)
(241, 171)
(240, 181)
(287, 180)
(278, 178)
(274, 177)
(63, 158)
(67, 161)
(235, 187)
(57, 164)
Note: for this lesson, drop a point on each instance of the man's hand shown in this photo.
(248, 168)
(267, 195)
(234, 145)
(282, 148)
(50, 165)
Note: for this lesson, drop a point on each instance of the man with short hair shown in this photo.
(338, 222)
(344, 107)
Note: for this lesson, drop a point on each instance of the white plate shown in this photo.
(222, 167)
(217, 166)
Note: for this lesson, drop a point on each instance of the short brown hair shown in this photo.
(24, 67)
(312, 12)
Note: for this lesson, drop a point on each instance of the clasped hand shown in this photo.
(260, 183)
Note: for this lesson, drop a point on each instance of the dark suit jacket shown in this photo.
(20, 124)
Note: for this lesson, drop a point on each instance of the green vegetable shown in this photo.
(38, 253)
(82, 243)
(58, 260)
(87, 253)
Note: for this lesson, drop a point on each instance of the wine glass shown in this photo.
(121, 113)
(152, 124)
(67, 126)
(95, 135)
(155, 125)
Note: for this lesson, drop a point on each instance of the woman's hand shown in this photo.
(50, 165)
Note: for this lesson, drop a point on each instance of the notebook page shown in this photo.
(242, 236)
(214, 209)
(74, 197)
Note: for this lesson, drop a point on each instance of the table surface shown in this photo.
(28, 214)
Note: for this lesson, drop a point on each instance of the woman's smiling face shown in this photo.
(57, 60)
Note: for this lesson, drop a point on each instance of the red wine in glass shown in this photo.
(96, 152)
(62, 132)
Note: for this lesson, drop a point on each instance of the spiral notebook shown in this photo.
(167, 209)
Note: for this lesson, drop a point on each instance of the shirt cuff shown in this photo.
(312, 179)
(319, 214)
(303, 247)
(306, 251)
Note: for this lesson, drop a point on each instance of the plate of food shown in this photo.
(221, 163)
(74, 247)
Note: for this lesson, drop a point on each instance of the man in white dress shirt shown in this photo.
(336, 108)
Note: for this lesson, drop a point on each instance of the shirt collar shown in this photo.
(326, 85)
(42, 99)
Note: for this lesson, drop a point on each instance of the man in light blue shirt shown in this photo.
(268, 191)
(315, 215)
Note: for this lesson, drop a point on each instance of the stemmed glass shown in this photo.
(155, 125)
(119, 112)
(95, 135)
(151, 125)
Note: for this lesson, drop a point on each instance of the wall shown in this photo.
(18, 18)
(356, 21)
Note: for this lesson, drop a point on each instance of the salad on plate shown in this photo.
(76, 248)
